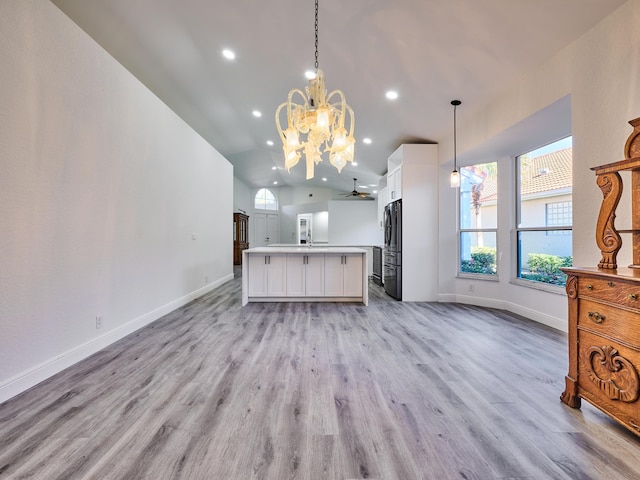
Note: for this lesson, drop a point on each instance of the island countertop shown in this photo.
(305, 249)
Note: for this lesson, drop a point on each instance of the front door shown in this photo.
(266, 229)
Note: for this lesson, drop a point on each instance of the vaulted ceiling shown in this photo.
(429, 51)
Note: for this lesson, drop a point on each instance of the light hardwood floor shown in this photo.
(317, 391)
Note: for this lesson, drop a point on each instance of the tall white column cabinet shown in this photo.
(413, 177)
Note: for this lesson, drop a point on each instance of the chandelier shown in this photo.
(316, 125)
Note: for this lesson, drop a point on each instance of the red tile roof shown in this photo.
(545, 173)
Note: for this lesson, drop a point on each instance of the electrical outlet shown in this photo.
(472, 287)
(98, 321)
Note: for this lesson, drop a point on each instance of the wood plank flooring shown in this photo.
(317, 391)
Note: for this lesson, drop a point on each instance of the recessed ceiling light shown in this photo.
(375, 191)
(324, 179)
(373, 185)
(310, 74)
(392, 95)
(367, 141)
(362, 186)
(274, 168)
(257, 113)
(228, 54)
(355, 164)
(275, 183)
(270, 143)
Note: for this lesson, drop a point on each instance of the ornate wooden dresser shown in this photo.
(604, 306)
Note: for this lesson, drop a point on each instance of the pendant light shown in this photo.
(455, 175)
(316, 125)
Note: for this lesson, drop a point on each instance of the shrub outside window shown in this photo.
(478, 219)
(544, 213)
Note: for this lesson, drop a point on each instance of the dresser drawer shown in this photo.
(608, 377)
(611, 321)
(620, 293)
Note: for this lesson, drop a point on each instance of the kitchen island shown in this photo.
(304, 274)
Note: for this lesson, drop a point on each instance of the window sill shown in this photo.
(478, 276)
(556, 289)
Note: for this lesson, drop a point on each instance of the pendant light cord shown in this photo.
(455, 140)
(455, 104)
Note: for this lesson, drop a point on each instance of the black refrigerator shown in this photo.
(393, 249)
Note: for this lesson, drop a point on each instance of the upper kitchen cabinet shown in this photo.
(382, 202)
(394, 175)
(394, 184)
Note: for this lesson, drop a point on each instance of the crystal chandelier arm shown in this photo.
(291, 105)
(352, 119)
(279, 127)
(344, 107)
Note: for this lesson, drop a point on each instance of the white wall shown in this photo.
(298, 195)
(242, 198)
(289, 219)
(354, 222)
(320, 224)
(101, 189)
(597, 76)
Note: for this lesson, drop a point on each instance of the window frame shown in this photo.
(461, 231)
(515, 241)
(255, 197)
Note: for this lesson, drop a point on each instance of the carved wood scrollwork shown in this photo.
(607, 237)
(572, 286)
(613, 374)
(632, 147)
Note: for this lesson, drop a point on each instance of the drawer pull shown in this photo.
(632, 296)
(589, 287)
(611, 284)
(596, 317)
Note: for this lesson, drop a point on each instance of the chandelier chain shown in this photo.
(316, 36)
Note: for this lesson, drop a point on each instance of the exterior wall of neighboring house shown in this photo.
(535, 210)
(553, 243)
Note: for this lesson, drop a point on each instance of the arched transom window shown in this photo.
(265, 200)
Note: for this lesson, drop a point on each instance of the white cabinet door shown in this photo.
(333, 275)
(258, 270)
(267, 275)
(394, 185)
(353, 277)
(314, 276)
(296, 275)
(343, 275)
(305, 275)
(277, 276)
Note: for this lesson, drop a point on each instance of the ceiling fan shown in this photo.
(357, 194)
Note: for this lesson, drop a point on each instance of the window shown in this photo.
(559, 214)
(265, 200)
(544, 213)
(478, 219)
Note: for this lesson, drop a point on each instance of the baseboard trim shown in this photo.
(33, 376)
(543, 318)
